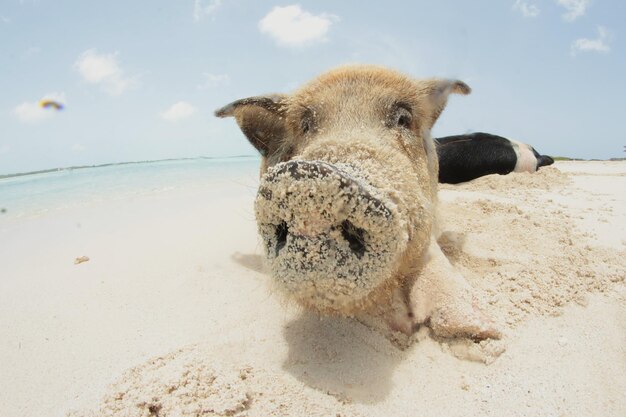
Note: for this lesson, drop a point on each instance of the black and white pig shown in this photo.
(466, 157)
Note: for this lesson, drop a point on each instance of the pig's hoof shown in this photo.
(469, 322)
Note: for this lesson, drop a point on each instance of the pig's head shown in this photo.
(348, 185)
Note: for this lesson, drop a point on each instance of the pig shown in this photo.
(466, 157)
(347, 200)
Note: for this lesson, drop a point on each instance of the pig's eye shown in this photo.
(403, 118)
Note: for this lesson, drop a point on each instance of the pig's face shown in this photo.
(346, 201)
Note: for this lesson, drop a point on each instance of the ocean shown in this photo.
(39, 193)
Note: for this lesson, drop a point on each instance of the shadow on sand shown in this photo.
(341, 357)
(337, 356)
(251, 261)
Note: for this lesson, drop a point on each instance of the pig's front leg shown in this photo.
(393, 315)
(443, 298)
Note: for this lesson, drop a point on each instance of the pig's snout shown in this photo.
(316, 197)
(330, 237)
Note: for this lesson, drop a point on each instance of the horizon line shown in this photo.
(147, 161)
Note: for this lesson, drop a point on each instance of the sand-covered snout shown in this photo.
(330, 237)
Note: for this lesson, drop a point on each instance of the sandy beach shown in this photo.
(172, 315)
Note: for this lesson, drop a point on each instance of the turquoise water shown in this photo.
(38, 193)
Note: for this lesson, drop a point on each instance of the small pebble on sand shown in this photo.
(81, 259)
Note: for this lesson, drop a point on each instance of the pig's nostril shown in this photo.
(281, 236)
(355, 238)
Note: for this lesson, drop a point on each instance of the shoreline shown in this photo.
(113, 164)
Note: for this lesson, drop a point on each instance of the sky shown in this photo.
(140, 79)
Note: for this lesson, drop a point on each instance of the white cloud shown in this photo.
(600, 44)
(5, 19)
(32, 112)
(103, 69)
(178, 111)
(526, 8)
(575, 8)
(77, 147)
(292, 26)
(213, 80)
(4, 149)
(201, 10)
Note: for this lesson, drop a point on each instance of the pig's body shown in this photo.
(466, 157)
(347, 201)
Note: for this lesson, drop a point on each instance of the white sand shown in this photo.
(173, 310)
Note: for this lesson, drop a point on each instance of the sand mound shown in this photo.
(180, 384)
(511, 236)
(526, 258)
(546, 178)
(176, 385)
(193, 382)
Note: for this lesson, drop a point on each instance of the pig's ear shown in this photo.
(260, 118)
(437, 92)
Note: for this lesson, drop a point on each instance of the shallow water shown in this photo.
(35, 194)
